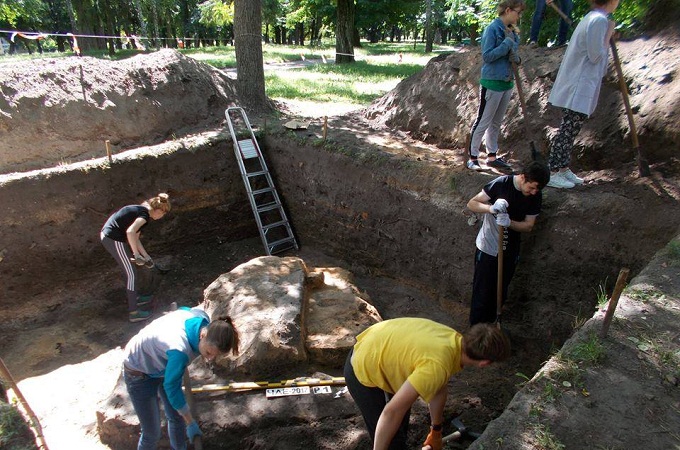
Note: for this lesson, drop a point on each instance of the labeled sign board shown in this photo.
(300, 390)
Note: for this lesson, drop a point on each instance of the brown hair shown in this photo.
(512, 4)
(162, 202)
(538, 172)
(486, 341)
(222, 334)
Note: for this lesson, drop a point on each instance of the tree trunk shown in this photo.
(429, 35)
(142, 19)
(344, 30)
(248, 47)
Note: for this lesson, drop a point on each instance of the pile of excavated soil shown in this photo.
(62, 110)
(439, 104)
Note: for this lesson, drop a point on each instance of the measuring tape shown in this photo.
(259, 385)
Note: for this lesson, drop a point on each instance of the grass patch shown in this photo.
(546, 439)
(643, 293)
(673, 252)
(590, 351)
(601, 293)
(14, 431)
(359, 83)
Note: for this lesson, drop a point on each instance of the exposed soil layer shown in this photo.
(387, 208)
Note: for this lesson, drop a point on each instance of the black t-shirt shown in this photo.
(519, 207)
(116, 226)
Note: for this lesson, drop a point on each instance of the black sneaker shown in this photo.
(498, 163)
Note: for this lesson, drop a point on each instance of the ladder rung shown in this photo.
(274, 225)
(263, 191)
(255, 174)
(282, 241)
(268, 207)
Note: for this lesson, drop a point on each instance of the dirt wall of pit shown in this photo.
(50, 220)
(404, 218)
(397, 216)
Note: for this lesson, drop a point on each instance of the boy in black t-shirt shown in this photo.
(512, 202)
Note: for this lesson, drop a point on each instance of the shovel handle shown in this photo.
(561, 13)
(643, 166)
(499, 286)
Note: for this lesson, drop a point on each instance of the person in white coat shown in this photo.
(577, 87)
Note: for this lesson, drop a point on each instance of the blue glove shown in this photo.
(503, 219)
(193, 431)
(500, 206)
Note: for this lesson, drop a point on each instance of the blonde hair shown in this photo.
(512, 4)
(161, 201)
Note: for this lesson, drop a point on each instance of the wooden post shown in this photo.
(325, 127)
(34, 420)
(614, 300)
(108, 150)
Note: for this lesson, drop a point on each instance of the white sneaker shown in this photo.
(558, 180)
(569, 175)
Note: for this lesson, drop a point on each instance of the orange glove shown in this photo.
(434, 440)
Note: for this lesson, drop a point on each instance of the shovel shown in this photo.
(523, 105)
(499, 284)
(643, 165)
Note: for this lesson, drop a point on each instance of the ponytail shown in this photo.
(222, 334)
(161, 201)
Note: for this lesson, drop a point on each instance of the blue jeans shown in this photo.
(144, 392)
(565, 5)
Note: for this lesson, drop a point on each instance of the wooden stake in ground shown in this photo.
(37, 429)
(614, 300)
(108, 150)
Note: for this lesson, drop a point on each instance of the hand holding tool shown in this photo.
(499, 206)
(503, 220)
(433, 440)
(193, 431)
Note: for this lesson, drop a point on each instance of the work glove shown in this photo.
(193, 431)
(503, 220)
(499, 206)
(433, 440)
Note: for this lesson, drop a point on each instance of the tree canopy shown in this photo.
(164, 23)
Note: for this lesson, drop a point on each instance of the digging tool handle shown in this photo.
(643, 166)
(198, 441)
(499, 284)
(4, 374)
(614, 300)
(564, 17)
(520, 91)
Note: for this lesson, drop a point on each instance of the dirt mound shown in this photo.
(61, 110)
(439, 104)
